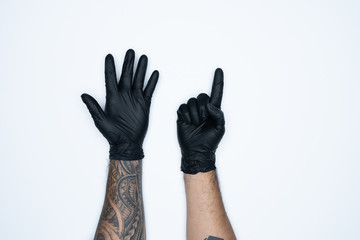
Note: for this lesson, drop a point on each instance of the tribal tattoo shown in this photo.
(122, 216)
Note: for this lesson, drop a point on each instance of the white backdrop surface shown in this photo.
(289, 161)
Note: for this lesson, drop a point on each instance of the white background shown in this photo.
(288, 163)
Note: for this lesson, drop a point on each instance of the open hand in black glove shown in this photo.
(126, 117)
(200, 127)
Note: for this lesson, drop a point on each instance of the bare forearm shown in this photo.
(206, 215)
(122, 215)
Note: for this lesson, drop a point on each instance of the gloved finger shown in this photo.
(217, 115)
(127, 71)
(217, 88)
(94, 108)
(150, 86)
(183, 111)
(194, 111)
(110, 76)
(140, 73)
(202, 100)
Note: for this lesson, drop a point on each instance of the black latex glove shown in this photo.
(200, 127)
(125, 120)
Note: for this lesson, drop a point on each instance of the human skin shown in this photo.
(122, 215)
(123, 122)
(206, 215)
(200, 128)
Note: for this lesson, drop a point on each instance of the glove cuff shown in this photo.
(126, 152)
(193, 162)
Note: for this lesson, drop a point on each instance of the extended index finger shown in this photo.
(217, 88)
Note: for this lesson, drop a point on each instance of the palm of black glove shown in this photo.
(125, 120)
(200, 128)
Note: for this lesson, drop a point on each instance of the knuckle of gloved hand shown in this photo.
(182, 107)
(191, 101)
(202, 97)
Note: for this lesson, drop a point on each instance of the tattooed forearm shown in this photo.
(122, 217)
(213, 238)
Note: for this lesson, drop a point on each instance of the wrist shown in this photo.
(126, 152)
(200, 188)
(195, 161)
(200, 177)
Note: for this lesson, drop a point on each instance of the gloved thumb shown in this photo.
(94, 108)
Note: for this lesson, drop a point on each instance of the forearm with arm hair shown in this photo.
(200, 128)
(122, 215)
(206, 214)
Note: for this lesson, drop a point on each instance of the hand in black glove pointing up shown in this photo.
(125, 120)
(200, 127)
